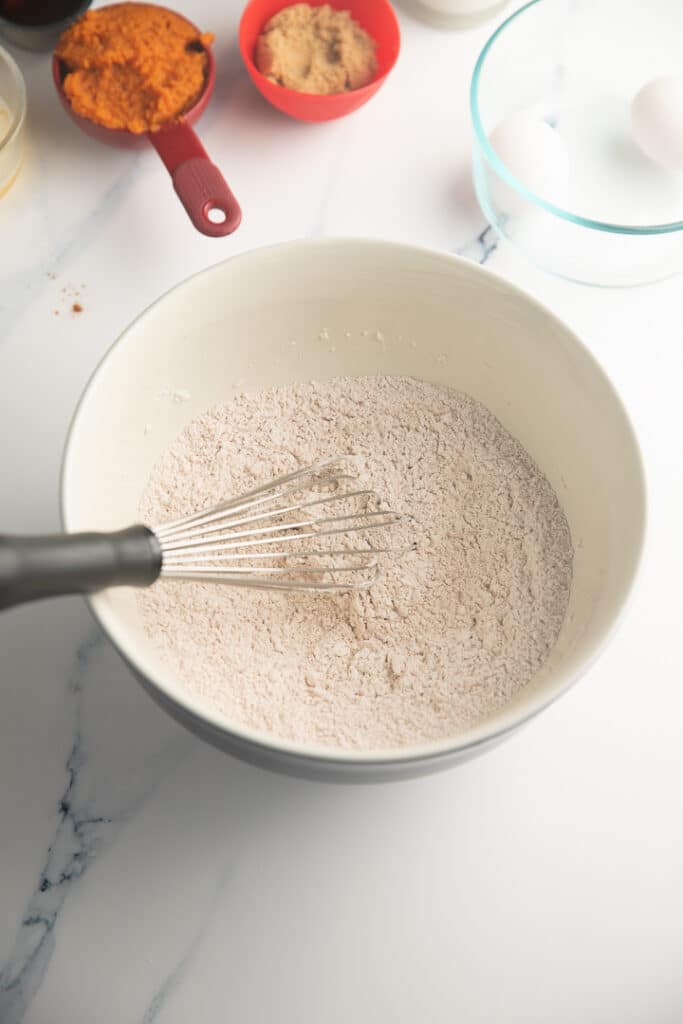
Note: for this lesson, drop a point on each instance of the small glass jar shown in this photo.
(38, 24)
(12, 120)
(456, 14)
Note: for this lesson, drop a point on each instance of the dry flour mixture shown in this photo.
(449, 633)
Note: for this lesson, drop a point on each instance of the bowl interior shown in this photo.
(256, 321)
(578, 66)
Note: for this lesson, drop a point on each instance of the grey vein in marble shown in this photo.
(317, 227)
(176, 974)
(481, 248)
(74, 844)
(83, 829)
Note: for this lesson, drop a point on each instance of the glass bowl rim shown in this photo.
(499, 167)
(18, 110)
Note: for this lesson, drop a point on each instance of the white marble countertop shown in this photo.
(145, 877)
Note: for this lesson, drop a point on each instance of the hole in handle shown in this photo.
(216, 214)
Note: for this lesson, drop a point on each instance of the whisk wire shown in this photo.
(253, 582)
(327, 472)
(277, 537)
(219, 520)
(301, 530)
(207, 545)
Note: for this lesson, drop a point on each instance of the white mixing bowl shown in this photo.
(311, 310)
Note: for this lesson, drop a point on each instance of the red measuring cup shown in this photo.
(202, 189)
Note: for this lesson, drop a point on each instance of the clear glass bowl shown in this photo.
(577, 64)
(12, 120)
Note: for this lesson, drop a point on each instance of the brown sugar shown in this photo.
(133, 66)
(316, 50)
(76, 308)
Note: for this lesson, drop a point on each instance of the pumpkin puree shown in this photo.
(133, 66)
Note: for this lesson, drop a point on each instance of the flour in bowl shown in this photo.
(450, 632)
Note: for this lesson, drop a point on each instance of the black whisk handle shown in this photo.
(76, 563)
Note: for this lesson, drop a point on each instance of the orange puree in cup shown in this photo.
(133, 66)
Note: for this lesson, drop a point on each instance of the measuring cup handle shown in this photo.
(205, 194)
(202, 189)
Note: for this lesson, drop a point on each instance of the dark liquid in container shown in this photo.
(37, 12)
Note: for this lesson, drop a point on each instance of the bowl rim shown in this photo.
(489, 153)
(18, 112)
(311, 754)
(363, 93)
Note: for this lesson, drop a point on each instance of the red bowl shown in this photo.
(375, 16)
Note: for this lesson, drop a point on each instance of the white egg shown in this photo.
(536, 155)
(657, 121)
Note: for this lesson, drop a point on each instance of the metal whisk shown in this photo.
(303, 531)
